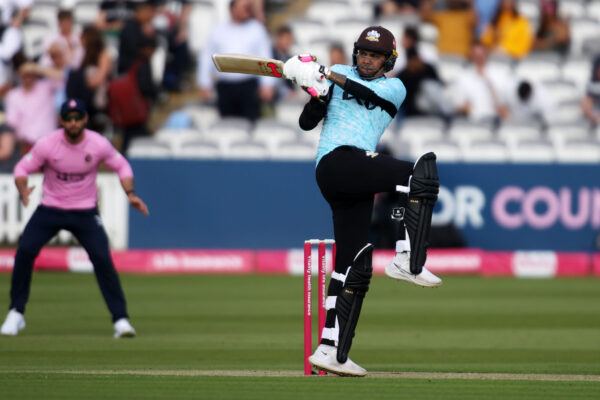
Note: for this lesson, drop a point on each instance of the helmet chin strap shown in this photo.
(369, 77)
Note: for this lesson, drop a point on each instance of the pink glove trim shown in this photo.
(313, 92)
(306, 58)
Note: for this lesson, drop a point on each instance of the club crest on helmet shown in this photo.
(373, 36)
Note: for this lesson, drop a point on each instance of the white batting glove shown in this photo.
(305, 72)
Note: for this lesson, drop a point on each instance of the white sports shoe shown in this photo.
(399, 269)
(14, 322)
(123, 329)
(325, 359)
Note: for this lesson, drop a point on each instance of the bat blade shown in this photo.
(247, 64)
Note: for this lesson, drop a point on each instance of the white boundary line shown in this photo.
(270, 373)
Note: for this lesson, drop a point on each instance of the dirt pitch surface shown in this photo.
(384, 375)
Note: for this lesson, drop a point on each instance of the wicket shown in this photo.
(308, 293)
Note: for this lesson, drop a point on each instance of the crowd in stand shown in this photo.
(110, 56)
(485, 38)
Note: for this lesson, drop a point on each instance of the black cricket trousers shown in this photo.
(349, 178)
(86, 226)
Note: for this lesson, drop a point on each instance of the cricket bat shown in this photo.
(247, 64)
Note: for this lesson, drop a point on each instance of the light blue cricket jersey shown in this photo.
(350, 122)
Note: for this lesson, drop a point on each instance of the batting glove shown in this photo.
(308, 74)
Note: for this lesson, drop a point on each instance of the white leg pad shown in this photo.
(330, 302)
(404, 189)
(403, 245)
(340, 277)
(332, 333)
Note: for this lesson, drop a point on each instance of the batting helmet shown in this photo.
(379, 40)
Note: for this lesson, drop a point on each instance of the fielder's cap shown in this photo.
(378, 39)
(72, 105)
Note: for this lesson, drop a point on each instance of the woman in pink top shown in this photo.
(69, 159)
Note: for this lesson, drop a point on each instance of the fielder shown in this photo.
(357, 103)
(69, 158)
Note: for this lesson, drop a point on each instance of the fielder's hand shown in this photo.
(305, 72)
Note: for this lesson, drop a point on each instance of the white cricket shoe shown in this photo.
(325, 358)
(399, 269)
(14, 322)
(123, 329)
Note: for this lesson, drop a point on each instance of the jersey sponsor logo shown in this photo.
(365, 103)
(70, 177)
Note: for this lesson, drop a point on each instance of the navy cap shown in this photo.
(71, 105)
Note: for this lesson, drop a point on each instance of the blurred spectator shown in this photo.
(486, 9)
(11, 42)
(509, 32)
(175, 30)
(146, 87)
(113, 14)
(67, 38)
(134, 32)
(56, 56)
(397, 7)
(14, 12)
(282, 50)
(455, 20)
(553, 32)
(9, 153)
(424, 88)
(237, 94)
(30, 111)
(480, 93)
(89, 82)
(411, 39)
(529, 101)
(337, 54)
(283, 42)
(591, 101)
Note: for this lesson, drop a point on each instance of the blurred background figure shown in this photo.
(282, 50)
(337, 54)
(509, 33)
(591, 100)
(68, 38)
(237, 95)
(134, 32)
(283, 42)
(175, 31)
(12, 15)
(480, 93)
(89, 81)
(424, 88)
(146, 87)
(411, 39)
(397, 7)
(30, 110)
(56, 61)
(455, 21)
(485, 9)
(9, 153)
(553, 33)
(530, 101)
(112, 16)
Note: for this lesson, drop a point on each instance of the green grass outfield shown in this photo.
(240, 337)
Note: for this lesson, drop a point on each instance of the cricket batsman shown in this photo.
(356, 104)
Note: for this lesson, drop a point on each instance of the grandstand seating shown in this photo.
(565, 79)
